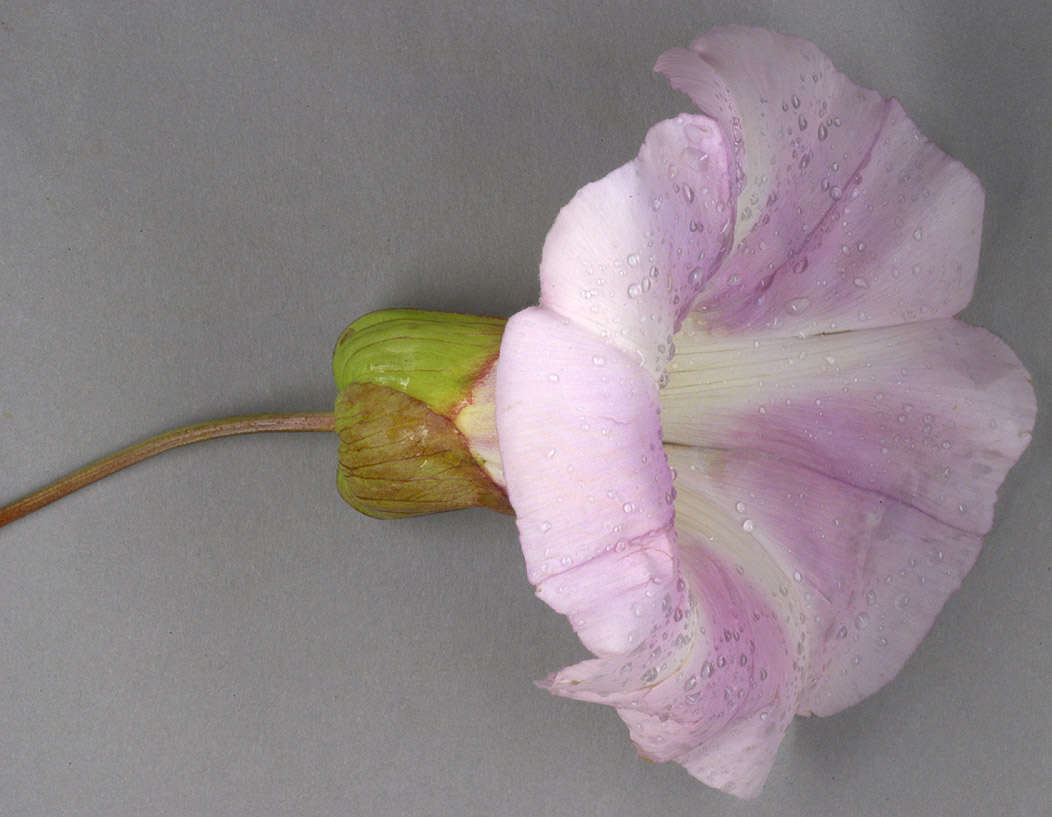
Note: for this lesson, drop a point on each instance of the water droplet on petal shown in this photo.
(695, 159)
(918, 234)
(796, 101)
(598, 360)
(748, 526)
(635, 290)
(797, 306)
(822, 133)
(633, 259)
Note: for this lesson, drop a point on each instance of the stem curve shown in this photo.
(158, 444)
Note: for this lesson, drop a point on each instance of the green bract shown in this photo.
(436, 357)
(415, 413)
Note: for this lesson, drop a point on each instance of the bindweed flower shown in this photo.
(750, 450)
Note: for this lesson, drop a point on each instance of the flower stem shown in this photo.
(158, 444)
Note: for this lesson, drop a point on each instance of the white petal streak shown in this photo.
(931, 414)
(862, 576)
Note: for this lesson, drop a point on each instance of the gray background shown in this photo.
(196, 197)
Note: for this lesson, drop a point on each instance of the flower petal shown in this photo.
(868, 574)
(868, 460)
(627, 255)
(848, 217)
(580, 440)
(932, 414)
(723, 711)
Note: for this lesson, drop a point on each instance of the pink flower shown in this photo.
(750, 450)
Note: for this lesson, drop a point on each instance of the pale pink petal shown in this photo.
(724, 709)
(858, 470)
(581, 446)
(627, 255)
(848, 217)
(931, 414)
(867, 573)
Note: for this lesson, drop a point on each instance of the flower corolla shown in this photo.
(750, 450)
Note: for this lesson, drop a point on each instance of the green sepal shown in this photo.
(398, 458)
(435, 357)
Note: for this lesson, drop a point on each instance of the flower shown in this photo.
(750, 450)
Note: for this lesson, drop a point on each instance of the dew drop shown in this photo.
(796, 101)
(706, 670)
(822, 133)
(800, 265)
(635, 290)
(796, 306)
(633, 259)
(748, 526)
(918, 234)
(861, 620)
(695, 159)
(628, 507)
(554, 378)
(802, 122)
(598, 360)
(688, 193)
(546, 526)
(740, 507)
